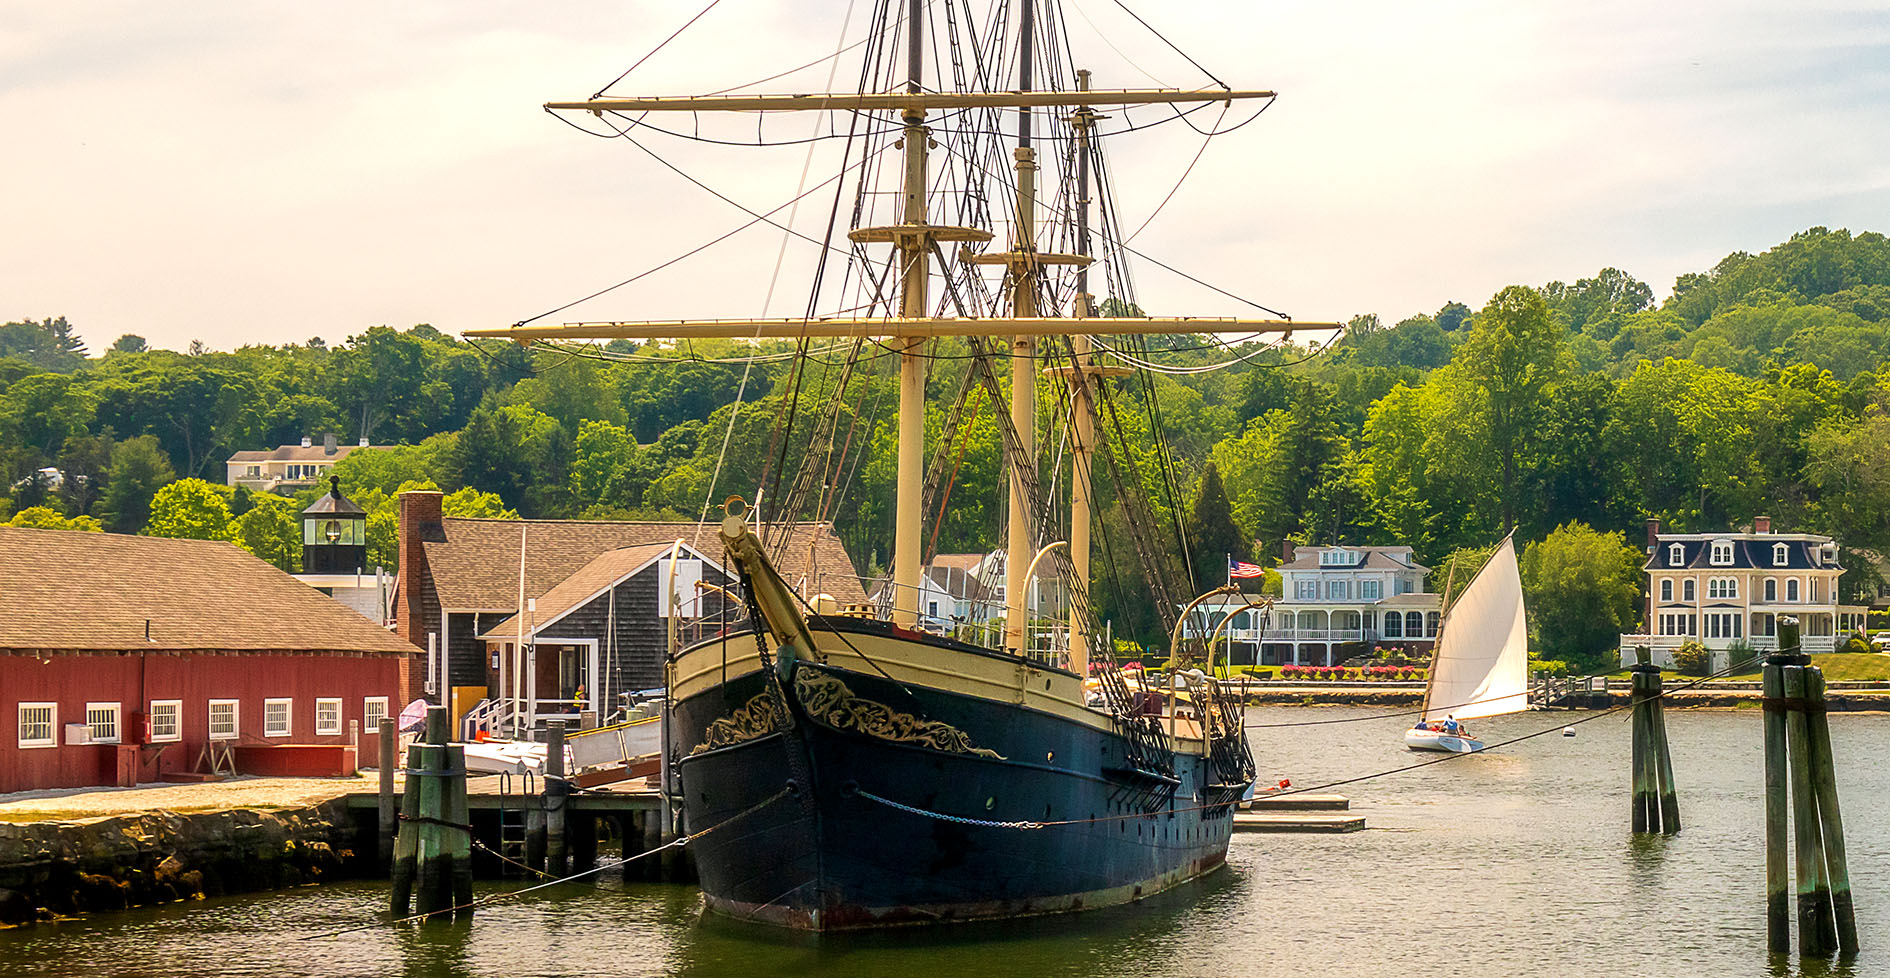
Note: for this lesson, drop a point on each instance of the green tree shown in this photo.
(192, 509)
(270, 530)
(1582, 587)
(604, 454)
(1515, 355)
(138, 468)
(49, 344)
(128, 343)
(381, 381)
(1212, 535)
(47, 518)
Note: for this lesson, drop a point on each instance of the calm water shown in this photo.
(1509, 864)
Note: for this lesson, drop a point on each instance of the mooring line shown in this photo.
(1729, 670)
(1028, 826)
(495, 897)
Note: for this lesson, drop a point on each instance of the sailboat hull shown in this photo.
(1441, 742)
(881, 802)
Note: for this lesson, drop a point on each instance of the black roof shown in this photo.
(333, 503)
(1748, 554)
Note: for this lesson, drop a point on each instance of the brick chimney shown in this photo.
(328, 444)
(1761, 524)
(419, 523)
(1653, 532)
(1286, 551)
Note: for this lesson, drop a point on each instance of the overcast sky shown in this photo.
(244, 172)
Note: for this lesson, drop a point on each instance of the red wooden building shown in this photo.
(124, 659)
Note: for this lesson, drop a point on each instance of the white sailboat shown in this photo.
(1481, 663)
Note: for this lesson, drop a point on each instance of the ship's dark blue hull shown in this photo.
(906, 803)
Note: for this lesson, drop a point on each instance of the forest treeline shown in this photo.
(1757, 387)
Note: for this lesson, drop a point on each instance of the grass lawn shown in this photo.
(1848, 666)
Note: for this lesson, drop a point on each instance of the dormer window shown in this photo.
(1676, 555)
(1721, 555)
(1336, 557)
(1781, 555)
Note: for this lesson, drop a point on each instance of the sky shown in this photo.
(241, 172)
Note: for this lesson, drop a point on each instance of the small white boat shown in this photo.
(505, 757)
(1480, 668)
(1441, 742)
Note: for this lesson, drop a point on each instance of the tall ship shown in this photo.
(842, 768)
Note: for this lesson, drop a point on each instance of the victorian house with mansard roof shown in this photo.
(1727, 591)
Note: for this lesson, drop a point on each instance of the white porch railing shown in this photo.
(1662, 647)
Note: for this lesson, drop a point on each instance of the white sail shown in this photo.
(1481, 665)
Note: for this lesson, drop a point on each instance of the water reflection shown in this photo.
(1513, 866)
(1646, 852)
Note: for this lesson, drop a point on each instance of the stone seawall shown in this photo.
(52, 869)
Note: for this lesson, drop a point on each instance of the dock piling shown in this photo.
(1656, 804)
(1817, 933)
(433, 851)
(1830, 821)
(556, 790)
(1778, 928)
(387, 824)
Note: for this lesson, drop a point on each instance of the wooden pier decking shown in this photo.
(1299, 813)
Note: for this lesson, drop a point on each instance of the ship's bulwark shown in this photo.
(833, 854)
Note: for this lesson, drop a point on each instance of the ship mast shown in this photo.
(914, 259)
(910, 332)
(1020, 549)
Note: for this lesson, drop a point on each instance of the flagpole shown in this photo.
(1230, 570)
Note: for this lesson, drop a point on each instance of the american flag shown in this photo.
(1237, 568)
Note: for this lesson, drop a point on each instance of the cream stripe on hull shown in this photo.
(989, 676)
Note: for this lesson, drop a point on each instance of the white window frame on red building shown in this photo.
(176, 710)
(323, 726)
(236, 719)
(106, 717)
(52, 725)
(370, 720)
(288, 716)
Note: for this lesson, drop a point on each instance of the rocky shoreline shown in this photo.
(52, 869)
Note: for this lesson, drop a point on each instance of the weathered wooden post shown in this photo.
(556, 791)
(460, 839)
(433, 862)
(1830, 822)
(1663, 760)
(388, 825)
(1646, 810)
(1817, 934)
(433, 852)
(407, 843)
(1778, 927)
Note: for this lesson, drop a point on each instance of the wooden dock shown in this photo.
(1299, 813)
(1297, 822)
(489, 793)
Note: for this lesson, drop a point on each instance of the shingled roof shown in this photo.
(474, 562)
(590, 581)
(63, 590)
(298, 453)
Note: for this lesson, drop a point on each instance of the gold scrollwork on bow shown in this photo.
(756, 718)
(828, 700)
